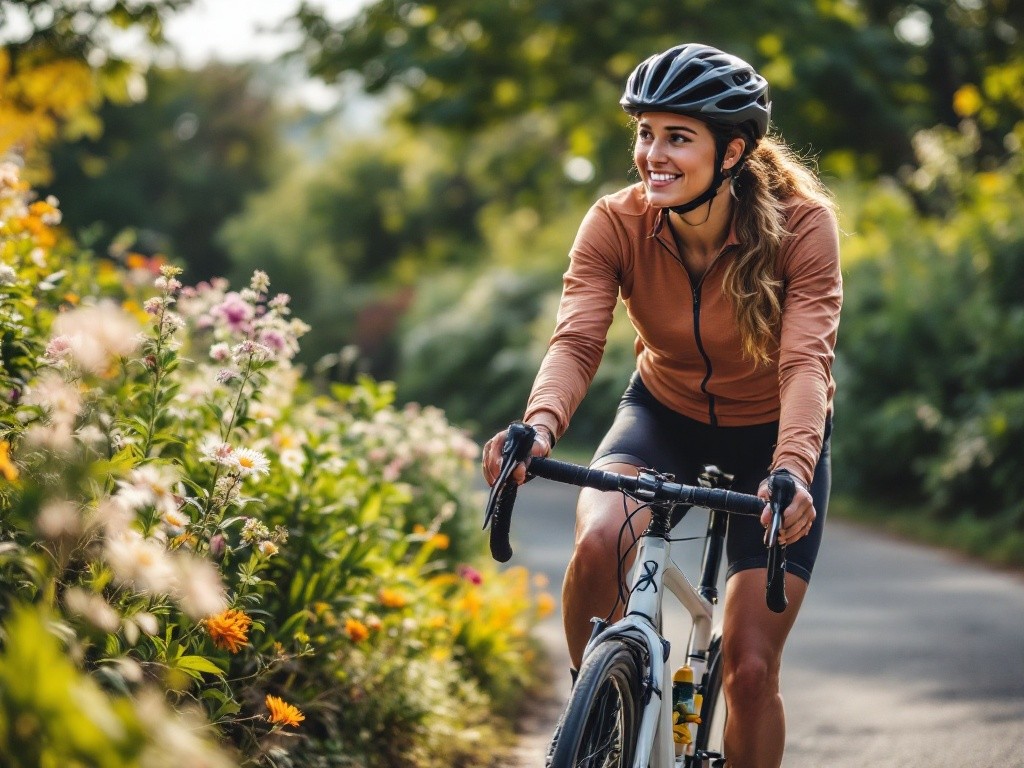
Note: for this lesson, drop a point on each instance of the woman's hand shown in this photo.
(491, 460)
(797, 518)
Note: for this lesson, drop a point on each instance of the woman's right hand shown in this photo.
(491, 459)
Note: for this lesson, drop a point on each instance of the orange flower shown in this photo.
(283, 713)
(7, 467)
(545, 604)
(440, 540)
(229, 630)
(357, 631)
(392, 598)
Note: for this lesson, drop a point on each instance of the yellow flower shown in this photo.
(229, 630)
(283, 713)
(392, 598)
(7, 468)
(440, 541)
(357, 631)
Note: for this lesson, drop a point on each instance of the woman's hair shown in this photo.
(769, 175)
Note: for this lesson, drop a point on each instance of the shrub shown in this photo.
(185, 520)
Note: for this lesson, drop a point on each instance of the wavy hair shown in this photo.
(769, 176)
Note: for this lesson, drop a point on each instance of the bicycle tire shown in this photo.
(713, 712)
(602, 718)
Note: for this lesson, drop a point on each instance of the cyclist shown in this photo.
(726, 256)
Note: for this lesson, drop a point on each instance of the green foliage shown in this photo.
(470, 64)
(167, 171)
(63, 65)
(930, 362)
(205, 530)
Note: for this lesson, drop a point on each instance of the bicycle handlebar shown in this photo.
(647, 487)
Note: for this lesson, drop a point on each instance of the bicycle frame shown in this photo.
(652, 571)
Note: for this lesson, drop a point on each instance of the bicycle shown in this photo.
(620, 711)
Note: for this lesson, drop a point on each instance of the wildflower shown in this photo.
(249, 462)
(253, 350)
(216, 451)
(7, 467)
(391, 598)
(470, 574)
(200, 590)
(253, 531)
(356, 630)
(7, 275)
(58, 519)
(175, 518)
(220, 352)
(151, 485)
(235, 312)
(143, 563)
(229, 630)
(440, 541)
(545, 604)
(267, 548)
(93, 608)
(218, 546)
(97, 335)
(283, 713)
(260, 281)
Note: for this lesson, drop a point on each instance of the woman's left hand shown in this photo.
(797, 518)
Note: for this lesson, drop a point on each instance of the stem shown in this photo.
(157, 378)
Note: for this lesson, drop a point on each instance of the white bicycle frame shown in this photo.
(653, 570)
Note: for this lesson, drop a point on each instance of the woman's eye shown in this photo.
(679, 138)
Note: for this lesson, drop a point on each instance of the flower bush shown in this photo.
(204, 561)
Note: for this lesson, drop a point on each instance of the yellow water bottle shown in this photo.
(682, 707)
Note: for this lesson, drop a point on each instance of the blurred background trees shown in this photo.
(421, 226)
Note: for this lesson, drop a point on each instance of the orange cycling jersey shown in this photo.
(688, 346)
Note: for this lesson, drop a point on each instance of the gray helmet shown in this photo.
(703, 82)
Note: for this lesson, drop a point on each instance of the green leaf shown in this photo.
(197, 664)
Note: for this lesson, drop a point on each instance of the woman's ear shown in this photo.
(733, 153)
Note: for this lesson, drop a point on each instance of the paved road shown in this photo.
(902, 656)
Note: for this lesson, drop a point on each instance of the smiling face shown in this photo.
(675, 155)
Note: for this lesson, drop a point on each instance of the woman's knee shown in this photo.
(750, 677)
(599, 527)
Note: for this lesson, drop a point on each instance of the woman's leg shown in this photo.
(591, 579)
(753, 637)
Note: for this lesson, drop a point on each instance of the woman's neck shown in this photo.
(702, 233)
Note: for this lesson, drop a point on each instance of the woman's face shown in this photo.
(675, 155)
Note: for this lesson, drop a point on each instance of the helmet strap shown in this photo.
(716, 182)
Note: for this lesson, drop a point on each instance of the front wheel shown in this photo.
(599, 728)
(710, 739)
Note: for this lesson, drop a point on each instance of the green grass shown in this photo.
(991, 541)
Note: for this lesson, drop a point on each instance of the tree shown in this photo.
(175, 166)
(55, 77)
(857, 77)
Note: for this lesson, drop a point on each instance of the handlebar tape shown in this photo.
(782, 488)
(573, 474)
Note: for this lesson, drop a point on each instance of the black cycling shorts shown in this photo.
(646, 433)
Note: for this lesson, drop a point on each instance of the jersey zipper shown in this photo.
(713, 419)
(695, 290)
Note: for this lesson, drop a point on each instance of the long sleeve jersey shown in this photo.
(688, 347)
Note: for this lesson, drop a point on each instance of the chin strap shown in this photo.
(716, 183)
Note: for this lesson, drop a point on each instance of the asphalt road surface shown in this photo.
(902, 656)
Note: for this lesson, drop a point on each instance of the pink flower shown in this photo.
(235, 312)
(470, 574)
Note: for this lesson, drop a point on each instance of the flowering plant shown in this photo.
(195, 521)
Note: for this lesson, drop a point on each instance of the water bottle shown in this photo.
(682, 707)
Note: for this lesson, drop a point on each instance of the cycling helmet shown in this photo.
(704, 82)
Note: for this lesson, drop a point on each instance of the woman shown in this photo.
(726, 256)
